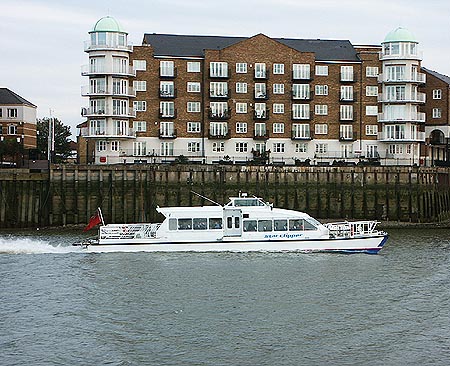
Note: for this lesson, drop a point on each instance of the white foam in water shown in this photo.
(31, 246)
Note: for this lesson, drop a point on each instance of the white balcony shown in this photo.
(408, 98)
(403, 56)
(108, 111)
(88, 70)
(87, 91)
(418, 78)
(418, 117)
(88, 46)
(405, 137)
(106, 133)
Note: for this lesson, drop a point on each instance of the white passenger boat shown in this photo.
(245, 224)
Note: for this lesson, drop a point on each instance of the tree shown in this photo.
(62, 141)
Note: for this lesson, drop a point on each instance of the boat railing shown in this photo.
(129, 231)
(354, 229)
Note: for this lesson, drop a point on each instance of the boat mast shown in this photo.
(206, 198)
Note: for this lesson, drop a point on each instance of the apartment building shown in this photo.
(17, 119)
(254, 99)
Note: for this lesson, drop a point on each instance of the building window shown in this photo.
(167, 109)
(218, 129)
(260, 90)
(140, 126)
(115, 145)
(278, 128)
(166, 129)
(301, 148)
(346, 73)
(12, 112)
(278, 88)
(241, 147)
(140, 85)
(140, 65)
(260, 70)
(278, 69)
(12, 130)
(347, 93)
(1, 113)
(194, 127)
(437, 113)
(241, 88)
(241, 107)
(278, 147)
(301, 131)
(372, 151)
(371, 72)
(193, 87)
(139, 148)
(395, 72)
(346, 132)
(101, 145)
(193, 146)
(301, 71)
(321, 70)
(193, 107)
(97, 127)
(300, 111)
(241, 127)
(140, 105)
(193, 66)
(241, 68)
(321, 109)
(371, 130)
(371, 110)
(218, 147)
(218, 89)
(321, 89)
(437, 94)
(321, 148)
(166, 68)
(260, 147)
(166, 89)
(395, 149)
(166, 148)
(218, 69)
(346, 112)
(278, 108)
(371, 91)
(321, 129)
(300, 91)
(120, 128)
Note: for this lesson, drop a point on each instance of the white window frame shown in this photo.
(372, 71)
(241, 68)
(241, 88)
(278, 88)
(194, 127)
(101, 145)
(301, 147)
(193, 66)
(437, 93)
(241, 107)
(193, 146)
(167, 68)
(193, 107)
(371, 110)
(218, 69)
(140, 85)
(321, 90)
(241, 127)
(371, 91)
(193, 87)
(13, 113)
(278, 147)
(278, 108)
(437, 113)
(321, 129)
(140, 105)
(371, 130)
(321, 70)
(140, 65)
(278, 127)
(321, 109)
(140, 126)
(241, 147)
(278, 69)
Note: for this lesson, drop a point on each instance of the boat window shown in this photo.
(229, 222)
(215, 223)
(200, 224)
(172, 224)
(248, 202)
(250, 225)
(184, 224)
(280, 225)
(296, 225)
(310, 225)
(264, 225)
(236, 222)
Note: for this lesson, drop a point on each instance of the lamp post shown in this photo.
(51, 138)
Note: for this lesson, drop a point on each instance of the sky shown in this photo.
(42, 41)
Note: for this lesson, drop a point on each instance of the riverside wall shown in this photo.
(70, 194)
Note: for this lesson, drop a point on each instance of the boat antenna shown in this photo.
(206, 198)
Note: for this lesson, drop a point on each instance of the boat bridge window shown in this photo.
(248, 202)
(250, 225)
(200, 224)
(280, 225)
(264, 225)
(215, 223)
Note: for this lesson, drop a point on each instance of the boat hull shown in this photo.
(370, 245)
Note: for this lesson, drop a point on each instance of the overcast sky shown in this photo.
(41, 41)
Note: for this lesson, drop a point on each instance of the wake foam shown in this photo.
(17, 245)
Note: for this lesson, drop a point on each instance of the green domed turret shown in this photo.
(400, 34)
(107, 24)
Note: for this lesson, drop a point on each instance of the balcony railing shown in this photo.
(260, 135)
(87, 91)
(348, 78)
(347, 98)
(300, 77)
(407, 136)
(261, 75)
(89, 70)
(168, 114)
(213, 94)
(219, 116)
(106, 133)
(225, 74)
(348, 137)
(301, 117)
(164, 134)
(298, 96)
(89, 46)
(408, 98)
(418, 117)
(347, 118)
(261, 115)
(261, 95)
(108, 111)
(219, 135)
(418, 78)
(167, 94)
(403, 56)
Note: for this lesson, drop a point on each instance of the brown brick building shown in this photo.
(277, 100)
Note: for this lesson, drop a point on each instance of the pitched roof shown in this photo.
(9, 97)
(194, 46)
(444, 78)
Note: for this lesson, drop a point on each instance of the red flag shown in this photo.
(94, 220)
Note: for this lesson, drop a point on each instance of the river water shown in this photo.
(63, 307)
